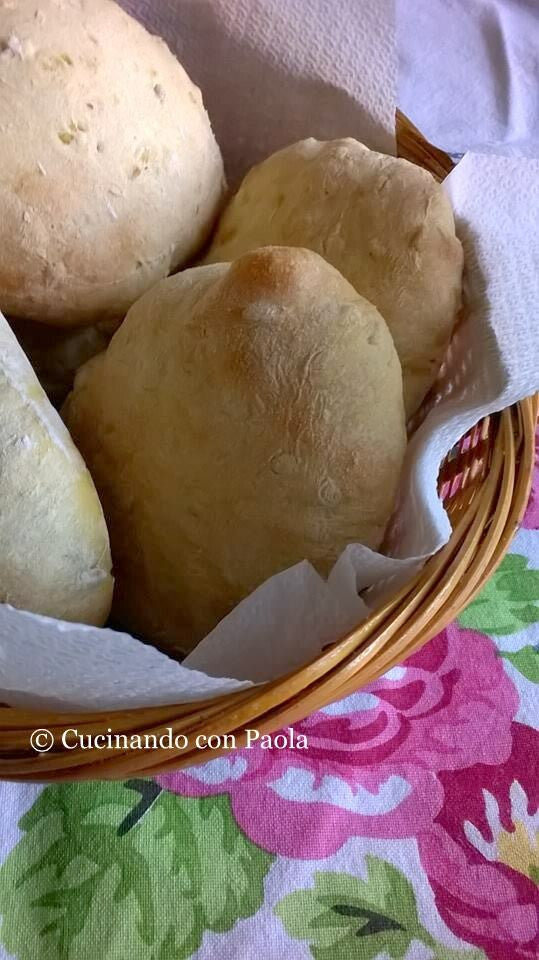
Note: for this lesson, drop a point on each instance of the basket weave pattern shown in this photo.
(484, 483)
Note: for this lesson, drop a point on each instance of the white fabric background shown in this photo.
(469, 71)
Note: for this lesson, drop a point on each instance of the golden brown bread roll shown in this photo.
(384, 223)
(54, 556)
(243, 418)
(56, 353)
(110, 174)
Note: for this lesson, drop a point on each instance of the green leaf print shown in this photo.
(526, 662)
(507, 602)
(125, 871)
(344, 916)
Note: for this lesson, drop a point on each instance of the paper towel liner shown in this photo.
(494, 362)
(276, 71)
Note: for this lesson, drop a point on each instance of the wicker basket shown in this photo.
(484, 483)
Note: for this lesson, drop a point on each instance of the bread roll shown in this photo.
(384, 223)
(110, 173)
(243, 418)
(55, 556)
(56, 353)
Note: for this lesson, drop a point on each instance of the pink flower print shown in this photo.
(482, 855)
(531, 517)
(373, 760)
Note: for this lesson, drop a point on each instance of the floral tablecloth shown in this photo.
(409, 828)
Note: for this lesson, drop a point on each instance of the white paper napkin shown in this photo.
(468, 72)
